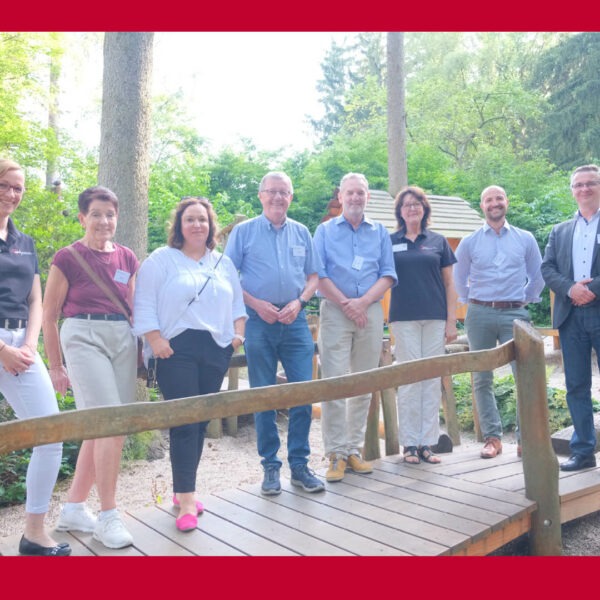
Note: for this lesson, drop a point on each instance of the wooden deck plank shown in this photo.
(317, 525)
(288, 537)
(430, 508)
(191, 543)
(242, 539)
(423, 474)
(307, 504)
(494, 473)
(395, 513)
(411, 543)
(480, 509)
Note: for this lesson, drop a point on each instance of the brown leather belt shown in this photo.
(498, 303)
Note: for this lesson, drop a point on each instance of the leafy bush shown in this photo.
(505, 393)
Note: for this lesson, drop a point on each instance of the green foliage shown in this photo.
(13, 466)
(567, 74)
(505, 393)
(136, 445)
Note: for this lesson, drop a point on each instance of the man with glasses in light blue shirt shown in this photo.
(357, 268)
(571, 269)
(278, 272)
(498, 273)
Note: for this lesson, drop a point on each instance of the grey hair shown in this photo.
(359, 176)
(586, 169)
(276, 175)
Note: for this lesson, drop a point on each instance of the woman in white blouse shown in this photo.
(189, 307)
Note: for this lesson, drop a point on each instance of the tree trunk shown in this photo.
(125, 132)
(55, 57)
(396, 113)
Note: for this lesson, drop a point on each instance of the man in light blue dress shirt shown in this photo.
(278, 272)
(571, 269)
(498, 273)
(357, 268)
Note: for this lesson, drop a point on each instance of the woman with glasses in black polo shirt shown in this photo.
(91, 284)
(24, 380)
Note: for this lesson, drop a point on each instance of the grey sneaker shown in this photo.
(271, 485)
(77, 519)
(112, 533)
(305, 478)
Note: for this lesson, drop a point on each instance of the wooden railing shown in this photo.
(540, 465)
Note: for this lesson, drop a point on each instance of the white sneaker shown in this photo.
(112, 533)
(76, 519)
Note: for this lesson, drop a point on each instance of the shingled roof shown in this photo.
(450, 216)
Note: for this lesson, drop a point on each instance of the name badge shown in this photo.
(357, 263)
(400, 247)
(299, 251)
(122, 276)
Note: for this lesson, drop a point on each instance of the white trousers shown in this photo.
(419, 402)
(346, 348)
(30, 394)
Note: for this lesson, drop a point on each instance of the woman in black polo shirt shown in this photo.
(422, 318)
(24, 380)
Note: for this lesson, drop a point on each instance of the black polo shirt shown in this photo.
(18, 265)
(420, 293)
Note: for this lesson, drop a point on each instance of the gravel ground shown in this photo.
(228, 462)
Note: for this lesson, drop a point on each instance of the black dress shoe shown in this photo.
(27, 548)
(578, 461)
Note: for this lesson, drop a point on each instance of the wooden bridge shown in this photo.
(464, 506)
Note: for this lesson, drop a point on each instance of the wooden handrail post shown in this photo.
(540, 466)
(389, 407)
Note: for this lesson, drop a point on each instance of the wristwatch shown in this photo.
(240, 337)
(303, 303)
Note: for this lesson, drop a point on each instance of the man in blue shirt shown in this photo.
(571, 268)
(357, 268)
(498, 274)
(278, 271)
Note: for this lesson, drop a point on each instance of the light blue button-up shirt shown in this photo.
(504, 267)
(354, 259)
(273, 262)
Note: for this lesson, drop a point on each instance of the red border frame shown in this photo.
(309, 577)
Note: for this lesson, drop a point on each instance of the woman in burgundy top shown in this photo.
(100, 353)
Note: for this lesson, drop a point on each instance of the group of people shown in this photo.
(195, 307)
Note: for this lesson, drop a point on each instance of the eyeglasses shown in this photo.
(17, 189)
(585, 184)
(415, 205)
(273, 193)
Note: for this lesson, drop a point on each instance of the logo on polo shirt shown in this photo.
(21, 252)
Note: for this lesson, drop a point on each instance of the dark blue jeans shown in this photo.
(578, 335)
(292, 345)
(197, 367)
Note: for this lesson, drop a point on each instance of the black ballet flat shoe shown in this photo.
(27, 548)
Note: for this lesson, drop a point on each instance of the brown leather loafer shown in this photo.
(492, 447)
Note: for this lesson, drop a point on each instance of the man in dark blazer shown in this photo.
(571, 269)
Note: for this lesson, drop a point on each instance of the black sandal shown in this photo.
(426, 453)
(411, 452)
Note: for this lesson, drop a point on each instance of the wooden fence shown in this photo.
(540, 465)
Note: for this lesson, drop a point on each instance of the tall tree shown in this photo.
(396, 113)
(332, 91)
(568, 76)
(125, 131)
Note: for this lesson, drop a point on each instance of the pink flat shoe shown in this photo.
(199, 505)
(186, 523)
